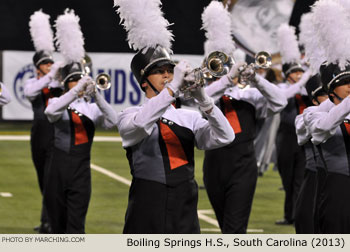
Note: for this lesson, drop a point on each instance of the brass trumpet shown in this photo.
(84, 68)
(262, 60)
(217, 64)
(103, 81)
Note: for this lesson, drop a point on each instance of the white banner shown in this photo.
(125, 90)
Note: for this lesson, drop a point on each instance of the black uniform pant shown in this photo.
(291, 166)
(305, 204)
(156, 208)
(230, 175)
(67, 192)
(41, 147)
(334, 204)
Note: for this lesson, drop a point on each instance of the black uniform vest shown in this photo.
(295, 106)
(241, 116)
(42, 131)
(166, 156)
(39, 104)
(336, 151)
(74, 136)
(311, 156)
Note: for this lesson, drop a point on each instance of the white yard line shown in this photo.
(111, 174)
(14, 138)
(27, 138)
(206, 218)
(217, 230)
(6, 194)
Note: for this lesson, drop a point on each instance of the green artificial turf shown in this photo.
(20, 213)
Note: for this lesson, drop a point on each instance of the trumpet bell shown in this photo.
(218, 63)
(103, 81)
(263, 59)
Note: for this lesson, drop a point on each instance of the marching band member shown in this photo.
(158, 138)
(305, 204)
(290, 156)
(330, 129)
(68, 188)
(329, 133)
(38, 90)
(4, 95)
(306, 201)
(230, 172)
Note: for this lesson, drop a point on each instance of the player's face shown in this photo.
(342, 91)
(295, 76)
(320, 99)
(159, 77)
(45, 68)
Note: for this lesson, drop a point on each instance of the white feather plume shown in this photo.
(217, 24)
(41, 32)
(345, 4)
(144, 23)
(308, 36)
(332, 23)
(69, 38)
(288, 44)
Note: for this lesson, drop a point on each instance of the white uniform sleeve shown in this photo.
(216, 89)
(302, 132)
(322, 125)
(214, 133)
(4, 95)
(291, 90)
(108, 117)
(56, 106)
(33, 87)
(309, 112)
(325, 106)
(55, 84)
(273, 100)
(134, 124)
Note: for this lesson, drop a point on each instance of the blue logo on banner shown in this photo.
(23, 74)
(120, 79)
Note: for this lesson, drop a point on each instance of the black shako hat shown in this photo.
(314, 87)
(289, 68)
(332, 76)
(71, 72)
(42, 57)
(142, 63)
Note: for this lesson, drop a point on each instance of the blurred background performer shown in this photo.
(305, 204)
(158, 138)
(230, 172)
(290, 156)
(4, 95)
(38, 90)
(330, 129)
(305, 208)
(68, 188)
